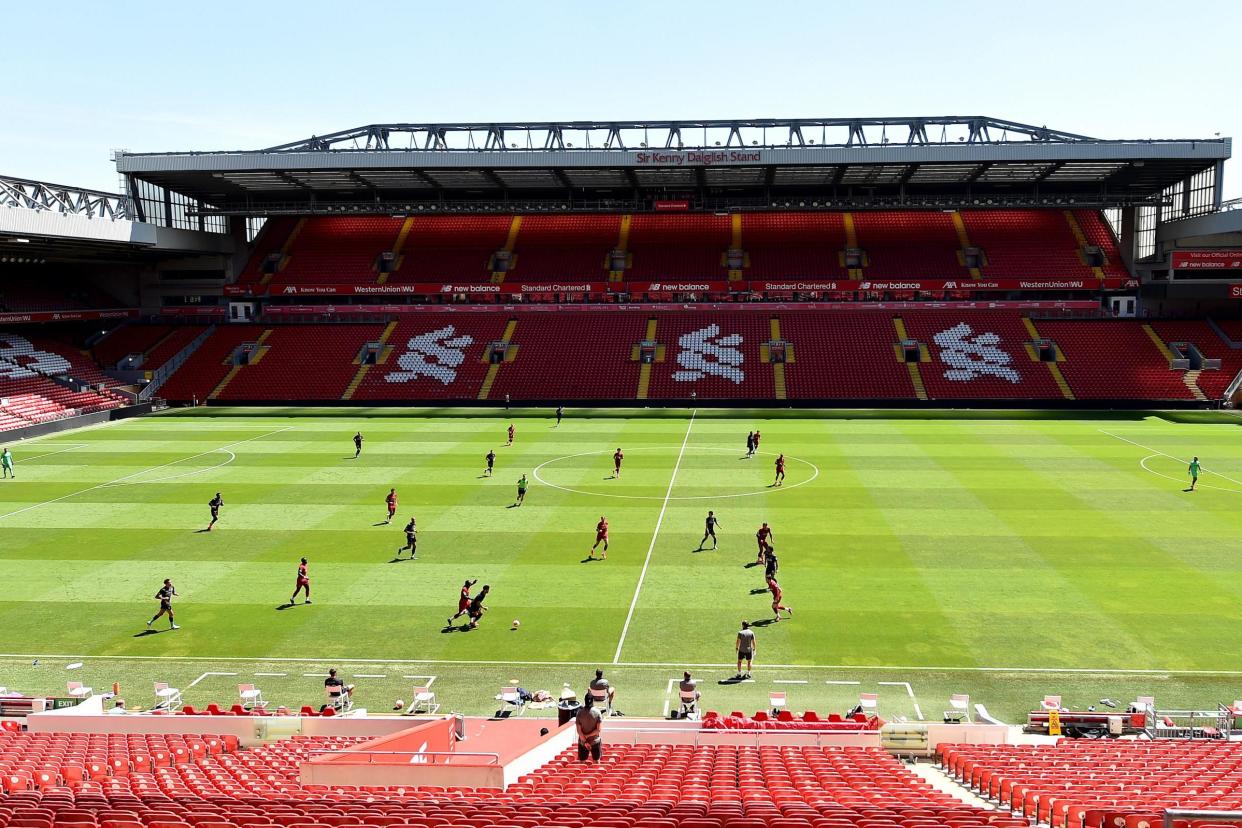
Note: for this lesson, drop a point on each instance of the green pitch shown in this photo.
(1003, 555)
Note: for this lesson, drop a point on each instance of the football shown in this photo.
(516, 623)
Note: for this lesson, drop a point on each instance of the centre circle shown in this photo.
(765, 490)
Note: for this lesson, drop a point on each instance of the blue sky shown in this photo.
(89, 77)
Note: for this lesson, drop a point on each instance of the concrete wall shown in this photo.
(56, 426)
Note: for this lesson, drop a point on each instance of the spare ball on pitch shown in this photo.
(516, 623)
(399, 704)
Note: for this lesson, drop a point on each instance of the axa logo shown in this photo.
(291, 289)
(950, 285)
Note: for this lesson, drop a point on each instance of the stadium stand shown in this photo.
(678, 247)
(844, 356)
(276, 233)
(1113, 359)
(129, 339)
(712, 356)
(1077, 783)
(1209, 343)
(433, 356)
(338, 249)
(792, 245)
(950, 373)
(566, 247)
(207, 367)
(908, 244)
(302, 363)
(457, 248)
(1026, 243)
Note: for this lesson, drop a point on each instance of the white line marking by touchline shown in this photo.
(1146, 468)
(135, 474)
(166, 478)
(370, 675)
(789, 681)
(205, 675)
(842, 682)
(1171, 457)
(616, 659)
(680, 665)
(909, 691)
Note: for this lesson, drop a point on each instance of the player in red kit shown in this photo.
(391, 500)
(617, 457)
(777, 606)
(601, 536)
(510, 435)
(757, 436)
(303, 583)
(763, 536)
(780, 471)
(463, 601)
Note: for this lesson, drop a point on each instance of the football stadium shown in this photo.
(788, 472)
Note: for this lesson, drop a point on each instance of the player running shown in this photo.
(165, 595)
(770, 568)
(777, 606)
(560, 412)
(476, 609)
(391, 500)
(757, 437)
(463, 601)
(763, 536)
(780, 471)
(357, 444)
(510, 435)
(303, 583)
(521, 494)
(601, 536)
(6, 463)
(411, 539)
(750, 444)
(617, 457)
(215, 503)
(709, 530)
(491, 461)
(1193, 469)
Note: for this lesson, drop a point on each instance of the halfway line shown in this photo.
(616, 659)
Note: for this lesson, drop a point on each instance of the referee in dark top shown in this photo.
(709, 529)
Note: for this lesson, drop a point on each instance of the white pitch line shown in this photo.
(369, 675)
(790, 681)
(668, 691)
(205, 675)
(277, 675)
(50, 453)
(616, 659)
(1166, 454)
(143, 471)
(189, 473)
(843, 682)
(680, 665)
(909, 692)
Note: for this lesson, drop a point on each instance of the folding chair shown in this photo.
(77, 690)
(510, 695)
(959, 711)
(601, 699)
(166, 698)
(423, 701)
(1143, 704)
(869, 702)
(250, 696)
(689, 704)
(1051, 703)
(342, 701)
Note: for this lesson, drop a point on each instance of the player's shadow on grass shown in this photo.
(381, 523)
(145, 633)
(201, 531)
(734, 680)
(285, 606)
(763, 622)
(751, 565)
(758, 590)
(454, 628)
(590, 560)
(513, 505)
(400, 560)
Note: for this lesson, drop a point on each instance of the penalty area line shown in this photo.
(1164, 454)
(638, 588)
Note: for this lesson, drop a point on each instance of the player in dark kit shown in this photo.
(601, 536)
(463, 601)
(780, 471)
(357, 444)
(770, 568)
(750, 444)
(411, 540)
(215, 503)
(709, 529)
(491, 461)
(165, 595)
(476, 609)
(763, 536)
(391, 500)
(560, 412)
(777, 606)
(510, 435)
(303, 583)
(617, 457)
